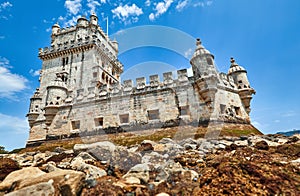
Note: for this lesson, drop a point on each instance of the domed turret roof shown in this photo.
(200, 50)
(234, 67)
(56, 25)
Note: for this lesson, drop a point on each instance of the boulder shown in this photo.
(262, 145)
(124, 159)
(102, 151)
(166, 141)
(44, 188)
(7, 166)
(19, 176)
(92, 172)
(140, 171)
(67, 182)
(86, 156)
(132, 180)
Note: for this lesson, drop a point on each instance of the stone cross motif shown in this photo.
(140, 83)
(168, 77)
(154, 80)
(128, 84)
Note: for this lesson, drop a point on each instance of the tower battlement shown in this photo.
(81, 90)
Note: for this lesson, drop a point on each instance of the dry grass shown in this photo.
(134, 138)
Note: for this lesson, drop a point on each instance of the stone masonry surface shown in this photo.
(81, 91)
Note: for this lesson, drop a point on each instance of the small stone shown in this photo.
(132, 180)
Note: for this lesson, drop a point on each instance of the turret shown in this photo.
(56, 95)
(55, 29)
(115, 45)
(35, 107)
(94, 19)
(202, 61)
(205, 74)
(82, 22)
(239, 75)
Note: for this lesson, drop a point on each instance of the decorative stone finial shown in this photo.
(198, 43)
(232, 60)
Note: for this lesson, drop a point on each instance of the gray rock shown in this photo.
(92, 172)
(190, 146)
(86, 156)
(140, 171)
(166, 141)
(124, 159)
(241, 142)
(102, 151)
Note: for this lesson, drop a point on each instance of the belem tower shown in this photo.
(81, 90)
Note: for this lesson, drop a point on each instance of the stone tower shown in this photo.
(81, 60)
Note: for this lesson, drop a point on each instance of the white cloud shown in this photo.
(127, 13)
(147, 3)
(10, 83)
(289, 113)
(202, 3)
(34, 72)
(188, 53)
(4, 62)
(5, 5)
(92, 4)
(73, 6)
(13, 124)
(152, 17)
(67, 21)
(181, 5)
(161, 8)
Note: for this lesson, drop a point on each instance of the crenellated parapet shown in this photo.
(81, 90)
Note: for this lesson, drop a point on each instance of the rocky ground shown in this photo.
(246, 165)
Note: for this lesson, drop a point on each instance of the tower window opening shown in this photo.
(209, 61)
(184, 110)
(75, 124)
(67, 60)
(99, 122)
(237, 111)
(153, 114)
(95, 74)
(124, 118)
(63, 62)
(222, 108)
(103, 76)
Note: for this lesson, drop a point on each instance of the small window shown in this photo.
(237, 110)
(209, 61)
(153, 114)
(222, 108)
(124, 118)
(99, 122)
(184, 110)
(240, 81)
(103, 76)
(95, 74)
(76, 124)
(63, 62)
(67, 60)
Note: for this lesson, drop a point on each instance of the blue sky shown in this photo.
(263, 37)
